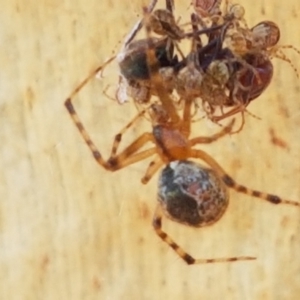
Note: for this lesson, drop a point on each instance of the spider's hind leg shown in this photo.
(230, 182)
(258, 194)
(157, 224)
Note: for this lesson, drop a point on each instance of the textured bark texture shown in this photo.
(71, 230)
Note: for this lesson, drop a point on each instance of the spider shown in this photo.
(171, 144)
(221, 80)
(134, 88)
(256, 49)
(263, 37)
(236, 69)
(244, 86)
(135, 80)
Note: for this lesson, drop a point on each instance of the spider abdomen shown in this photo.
(192, 194)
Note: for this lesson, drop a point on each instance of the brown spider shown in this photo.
(206, 194)
(238, 67)
(220, 80)
(256, 48)
(263, 37)
(235, 34)
(130, 87)
(135, 81)
(245, 87)
(222, 84)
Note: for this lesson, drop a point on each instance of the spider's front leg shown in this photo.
(210, 139)
(155, 77)
(137, 27)
(127, 157)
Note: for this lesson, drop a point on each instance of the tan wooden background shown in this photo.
(71, 230)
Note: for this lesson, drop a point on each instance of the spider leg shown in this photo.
(137, 27)
(170, 5)
(179, 50)
(118, 137)
(187, 118)
(230, 182)
(106, 94)
(153, 167)
(156, 79)
(209, 139)
(88, 78)
(128, 156)
(280, 55)
(242, 123)
(226, 6)
(196, 42)
(246, 66)
(238, 108)
(122, 161)
(157, 224)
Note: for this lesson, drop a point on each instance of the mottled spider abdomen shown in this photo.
(192, 194)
